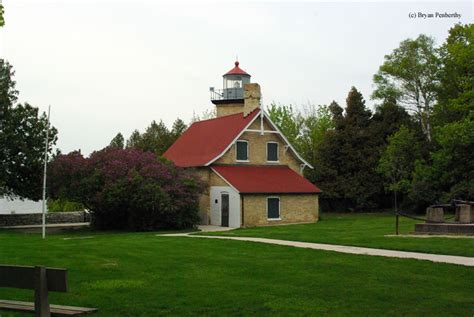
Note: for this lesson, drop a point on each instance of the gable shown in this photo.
(257, 144)
(206, 142)
(257, 151)
(257, 124)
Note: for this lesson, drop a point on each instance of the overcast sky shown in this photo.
(114, 66)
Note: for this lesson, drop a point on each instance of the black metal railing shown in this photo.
(227, 93)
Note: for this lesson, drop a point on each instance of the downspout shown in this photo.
(242, 210)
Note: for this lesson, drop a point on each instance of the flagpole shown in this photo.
(44, 175)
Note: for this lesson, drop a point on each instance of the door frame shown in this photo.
(225, 223)
(234, 206)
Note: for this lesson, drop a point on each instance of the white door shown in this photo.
(233, 197)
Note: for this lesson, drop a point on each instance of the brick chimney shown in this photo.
(252, 97)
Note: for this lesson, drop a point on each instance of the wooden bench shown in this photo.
(41, 280)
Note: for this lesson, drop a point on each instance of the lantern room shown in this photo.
(233, 85)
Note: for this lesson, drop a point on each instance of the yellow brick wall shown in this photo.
(258, 151)
(256, 125)
(216, 180)
(204, 200)
(252, 96)
(210, 179)
(228, 109)
(293, 209)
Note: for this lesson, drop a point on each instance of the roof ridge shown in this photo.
(229, 115)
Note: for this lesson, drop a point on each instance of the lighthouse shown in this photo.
(236, 92)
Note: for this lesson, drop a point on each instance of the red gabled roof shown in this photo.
(265, 179)
(205, 140)
(236, 70)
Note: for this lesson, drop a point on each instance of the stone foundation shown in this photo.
(434, 215)
(465, 214)
(36, 219)
(444, 228)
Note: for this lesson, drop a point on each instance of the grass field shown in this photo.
(367, 230)
(140, 274)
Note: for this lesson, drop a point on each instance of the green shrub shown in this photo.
(128, 189)
(63, 205)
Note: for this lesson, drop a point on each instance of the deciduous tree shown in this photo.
(397, 162)
(456, 90)
(289, 121)
(22, 141)
(409, 75)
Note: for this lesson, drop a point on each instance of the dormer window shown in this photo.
(272, 152)
(242, 150)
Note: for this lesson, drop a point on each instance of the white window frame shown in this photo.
(279, 208)
(248, 151)
(278, 152)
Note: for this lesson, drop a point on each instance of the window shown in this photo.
(273, 208)
(242, 150)
(272, 152)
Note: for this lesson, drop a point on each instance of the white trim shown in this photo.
(278, 152)
(302, 166)
(236, 153)
(279, 208)
(233, 141)
(225, 180)
(286, 140)
(262, 130)
(246, 128)
(259, 131)
(224, 192)
(215, 193)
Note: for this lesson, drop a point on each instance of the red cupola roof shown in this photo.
(236, 70)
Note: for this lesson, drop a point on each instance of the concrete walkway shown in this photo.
(211, 228)
(451, 259)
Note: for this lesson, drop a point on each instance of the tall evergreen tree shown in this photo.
(118, 141)
(157, 138)
(347, 160)
(8, 92)
(2, 20)
(133, 140)
(177, 129)
(387, 119)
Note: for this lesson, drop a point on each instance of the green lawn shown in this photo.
(140, 274)
(367, 230)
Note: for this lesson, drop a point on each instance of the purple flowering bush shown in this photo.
(127, 189)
